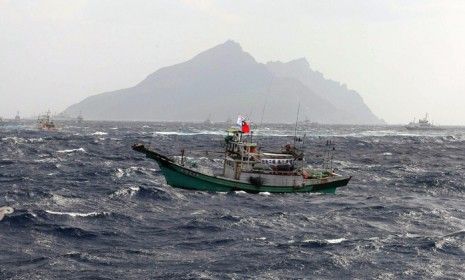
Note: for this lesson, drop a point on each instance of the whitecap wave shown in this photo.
(5, 210)
(328, 241)
(119, 173)
(13, 139)
(239, 192)
(199, 212)
(71, 151)
(335, 241)
(189, 133)
(99, 133)
(76, 214)
(126, 191)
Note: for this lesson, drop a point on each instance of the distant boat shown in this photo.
(247, 169)
(79, 118)
(422, 124)
(308, 122)
(208, 120)
(17, 117)
(45, 122)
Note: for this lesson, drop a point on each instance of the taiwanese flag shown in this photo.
(245, 127)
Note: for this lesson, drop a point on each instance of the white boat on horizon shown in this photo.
(422, 124)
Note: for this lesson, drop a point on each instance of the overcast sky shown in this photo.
(405, 58)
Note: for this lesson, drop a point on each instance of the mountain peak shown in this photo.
(231, 44)
(222, 79)
(227, 51)
(228, 47)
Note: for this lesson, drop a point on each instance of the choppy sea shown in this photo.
(88, 207)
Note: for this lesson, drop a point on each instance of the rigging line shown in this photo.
(267, 92)
(261, 119)
(306, 109)
(263, 112)
(266, 100)
(252, 106)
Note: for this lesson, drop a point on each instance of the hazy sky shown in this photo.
(404, 57)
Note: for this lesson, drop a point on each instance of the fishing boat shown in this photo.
(45, 122)
(208, 121)
(80, 118)
(17, 117)
(422, 124)
(308, 122)
(246, 168)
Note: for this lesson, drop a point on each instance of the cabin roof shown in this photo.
(275, 155)
(234, 130)
(246, 144)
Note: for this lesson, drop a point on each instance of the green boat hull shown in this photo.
(181, 177)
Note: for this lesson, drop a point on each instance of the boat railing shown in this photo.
(271, 172)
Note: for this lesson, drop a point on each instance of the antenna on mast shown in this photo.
(263, 113)
(296, 122)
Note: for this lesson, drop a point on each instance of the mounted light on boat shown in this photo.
(245, 127)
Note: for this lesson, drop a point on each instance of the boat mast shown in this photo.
(328, 156)
(302, 149)
(182, 157)
(296, 122)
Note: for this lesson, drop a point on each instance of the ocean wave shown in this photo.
(189, 133)
(77, 214)
(99, 133)
(108, 210)
(74, 232)
(14, 139)
(129, 191)
(335, 241)
(18, 140)
(5, 161)
(5, 210)
(199, 225)
(71, 151)
(240, 192)
(452, 243)
(154, 193)
(119, 173)
(21, 218)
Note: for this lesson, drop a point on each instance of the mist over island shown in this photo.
(224, 81)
